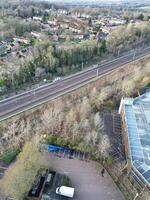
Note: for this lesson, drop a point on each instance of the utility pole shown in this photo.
(137, 194)
(143, 45)
(34, 93)
(134, 55)
(82, 66)
(97, 72)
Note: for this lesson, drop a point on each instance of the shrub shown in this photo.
(10, 155)
(109, 160)
(66, 181)
(19, 178)
(77, 144)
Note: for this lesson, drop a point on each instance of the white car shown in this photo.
(95, 65)
(57, 79)
(65, 191)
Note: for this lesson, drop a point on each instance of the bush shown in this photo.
(109, 160)
(10, 155)
(78, 144)
(55, 140)
(19, 178)
(66, 181)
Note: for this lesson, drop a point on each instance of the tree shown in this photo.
(103, 46)
(90, 22)
(19, 178)
(51, 61)
(44, 18)
(98, 122)
(33, 41)
(128, 36)
(85, 108)
(104, 146)
(94, 137)
(18, 12)
(141, 17)
(33, 12)
(48, 121)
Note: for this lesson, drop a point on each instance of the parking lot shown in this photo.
(112, 128)
(85, 176)
(50, 191)
(87, 180)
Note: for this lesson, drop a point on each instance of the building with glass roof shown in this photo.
(136, 135)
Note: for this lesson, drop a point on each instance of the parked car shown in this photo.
(57, 79)
(95, 65)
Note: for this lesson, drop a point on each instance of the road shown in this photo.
(27, 100)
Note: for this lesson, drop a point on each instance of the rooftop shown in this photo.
(137, 117)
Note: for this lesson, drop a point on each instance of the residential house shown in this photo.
(75, 30)
(116, 22)
(45, 27)
(38, 19)
(63, 11)
(76, 14)
(86, 16)
(78, 36)
(52, 22)
(21, 41)
(3, 48)
(64, 25)
(36, 35)
(92, 36)
(55, 37)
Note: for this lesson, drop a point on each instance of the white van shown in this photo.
(65, 191)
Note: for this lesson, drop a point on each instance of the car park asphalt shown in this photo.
(87, 180)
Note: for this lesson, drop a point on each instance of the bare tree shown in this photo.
(104, 146)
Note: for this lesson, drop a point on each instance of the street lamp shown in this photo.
(34, 92)
(137, 194)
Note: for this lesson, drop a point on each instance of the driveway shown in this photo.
(87, 180)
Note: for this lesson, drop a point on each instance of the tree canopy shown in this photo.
(19, 178)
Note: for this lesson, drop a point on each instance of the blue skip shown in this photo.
(52, 148)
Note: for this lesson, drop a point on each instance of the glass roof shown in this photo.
(137, 116)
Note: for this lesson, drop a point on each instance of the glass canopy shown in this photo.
(137, 117)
